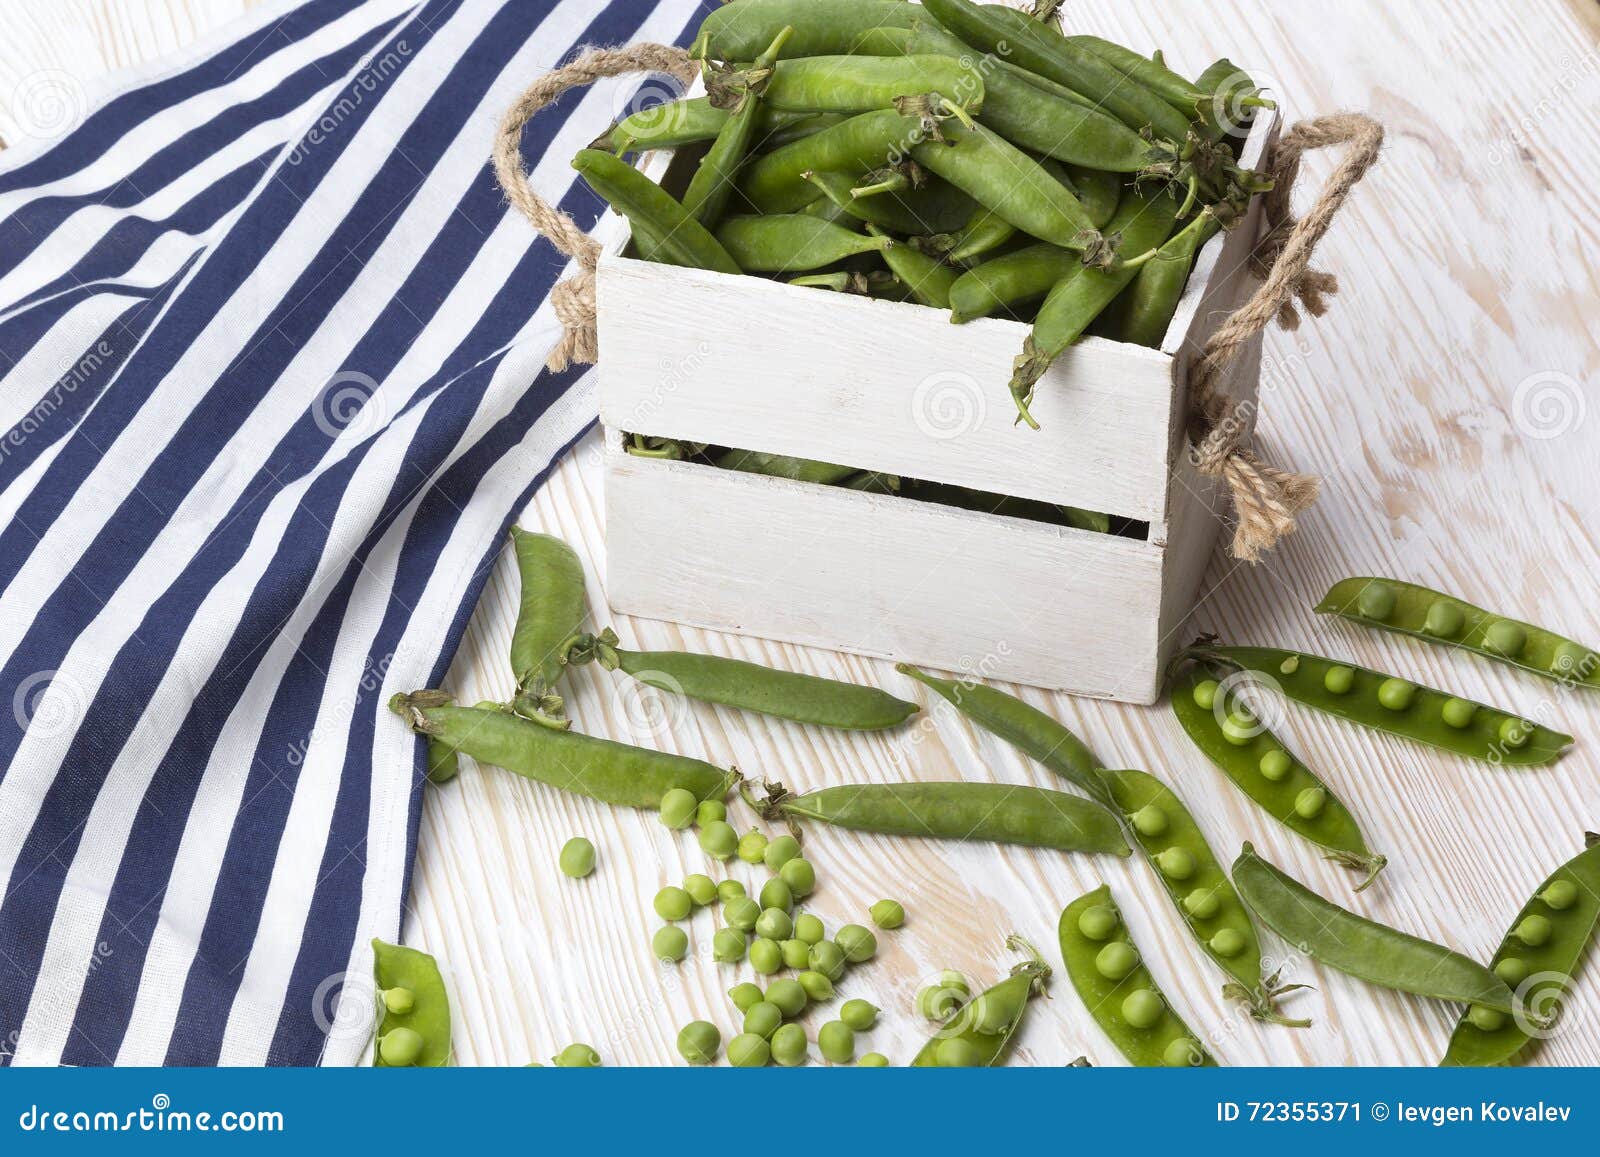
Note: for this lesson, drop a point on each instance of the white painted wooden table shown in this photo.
(1449, 401)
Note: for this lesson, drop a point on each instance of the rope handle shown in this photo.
(1266, 500)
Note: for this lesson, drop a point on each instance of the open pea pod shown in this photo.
(978, 1034)
(1264, 769)
(1409, 609)
(1396, 706)
(1192, 875)
(1107, 969)
(413, 1008)
(1538, 958)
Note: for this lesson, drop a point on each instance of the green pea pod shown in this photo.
(550, 611)
(986, 232)
(1539, 957)
(750, 686)
(1153, 75)
(614, 773)
(664, 126)
(1221, 116)
(860, 83)
(1198, 885)
(682, 239)
(978, 1035)
(413, 1009)
(1017, 37)
(783, 466)
(885, 210)
(776, 183)
(1008, 182)
(827, 210)
(1051, 513)
(882, 42)
(782, 242)
(713, 181)
(1396, 706)
(928, 278)
(443, 766)
(1022, 725)
(1003, 282)
(1363, 948)
(1109, 973)
(822, 27)
(1099, 190)
(1263, 768)
(1144, 221)
(1143, 311)
(1423, 613)
(999, 813)
(797, 126)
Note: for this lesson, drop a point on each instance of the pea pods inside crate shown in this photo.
(896, 388)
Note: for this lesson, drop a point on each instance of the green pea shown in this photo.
(742, 913)
(950, 978)
(1240, 728)
(1150, 820)
(1505, 638)
(670, 944)
(763, 1019)
(827, 958)
(780, 851)
(702, 890)
(1181, 1053)
(1458, 713)
(1534, 931)
(399, 1000)
(1513, 970)
(1116, 960)
(400, 1047)
(577, 1056)
(774, 924)
(577, 858)
(1142, 1007)
(809, 928)
(818, 986)
(678, 807)
(789, 1045)
(799, 875)
(710, 811)
(991, 1016)
(698, 1042)
(1515, 732)
(1227, 942)
(957, 1053)
(1098, 922)
(745, 994)
(856, 942)
(1339, 679)
(749, 1051)
(888, 914)
(1290, 665)
(1570, 658)
(1176, 863)
(776, 894)
(752, 846)
(872, 1061)
(1396, 694)
(1309, 803)
(1487, 1019)
(728, 945)
(1560, 895)
(729, 890)
(859, 1014)
(1276, 764)
(787, 995)
(837, 1042)
(765, 956)
(1376, 601)
(1205, 693)
(1202, 903)
(796, 953)
(673, 903)
(939, 1002)
(718, 840)
(1445, 619)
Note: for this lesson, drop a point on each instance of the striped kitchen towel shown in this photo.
(271, 387)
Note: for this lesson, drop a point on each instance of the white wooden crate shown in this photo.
(895, 387)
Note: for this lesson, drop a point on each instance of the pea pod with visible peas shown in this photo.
(1422, 613)
(743, 93)
(1198, 885)
(1263, 768)
(860, 83)
(1364, 948)
(978, 1035)
(1538, 959)
(1396, 706)
(1107, 969)
(549, 614)
(750, 686)
(675, 236)
(413, 1007)
(780, 242)
(615, 773)
(822, 27)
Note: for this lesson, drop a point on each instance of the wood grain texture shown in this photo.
(1448, 401)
